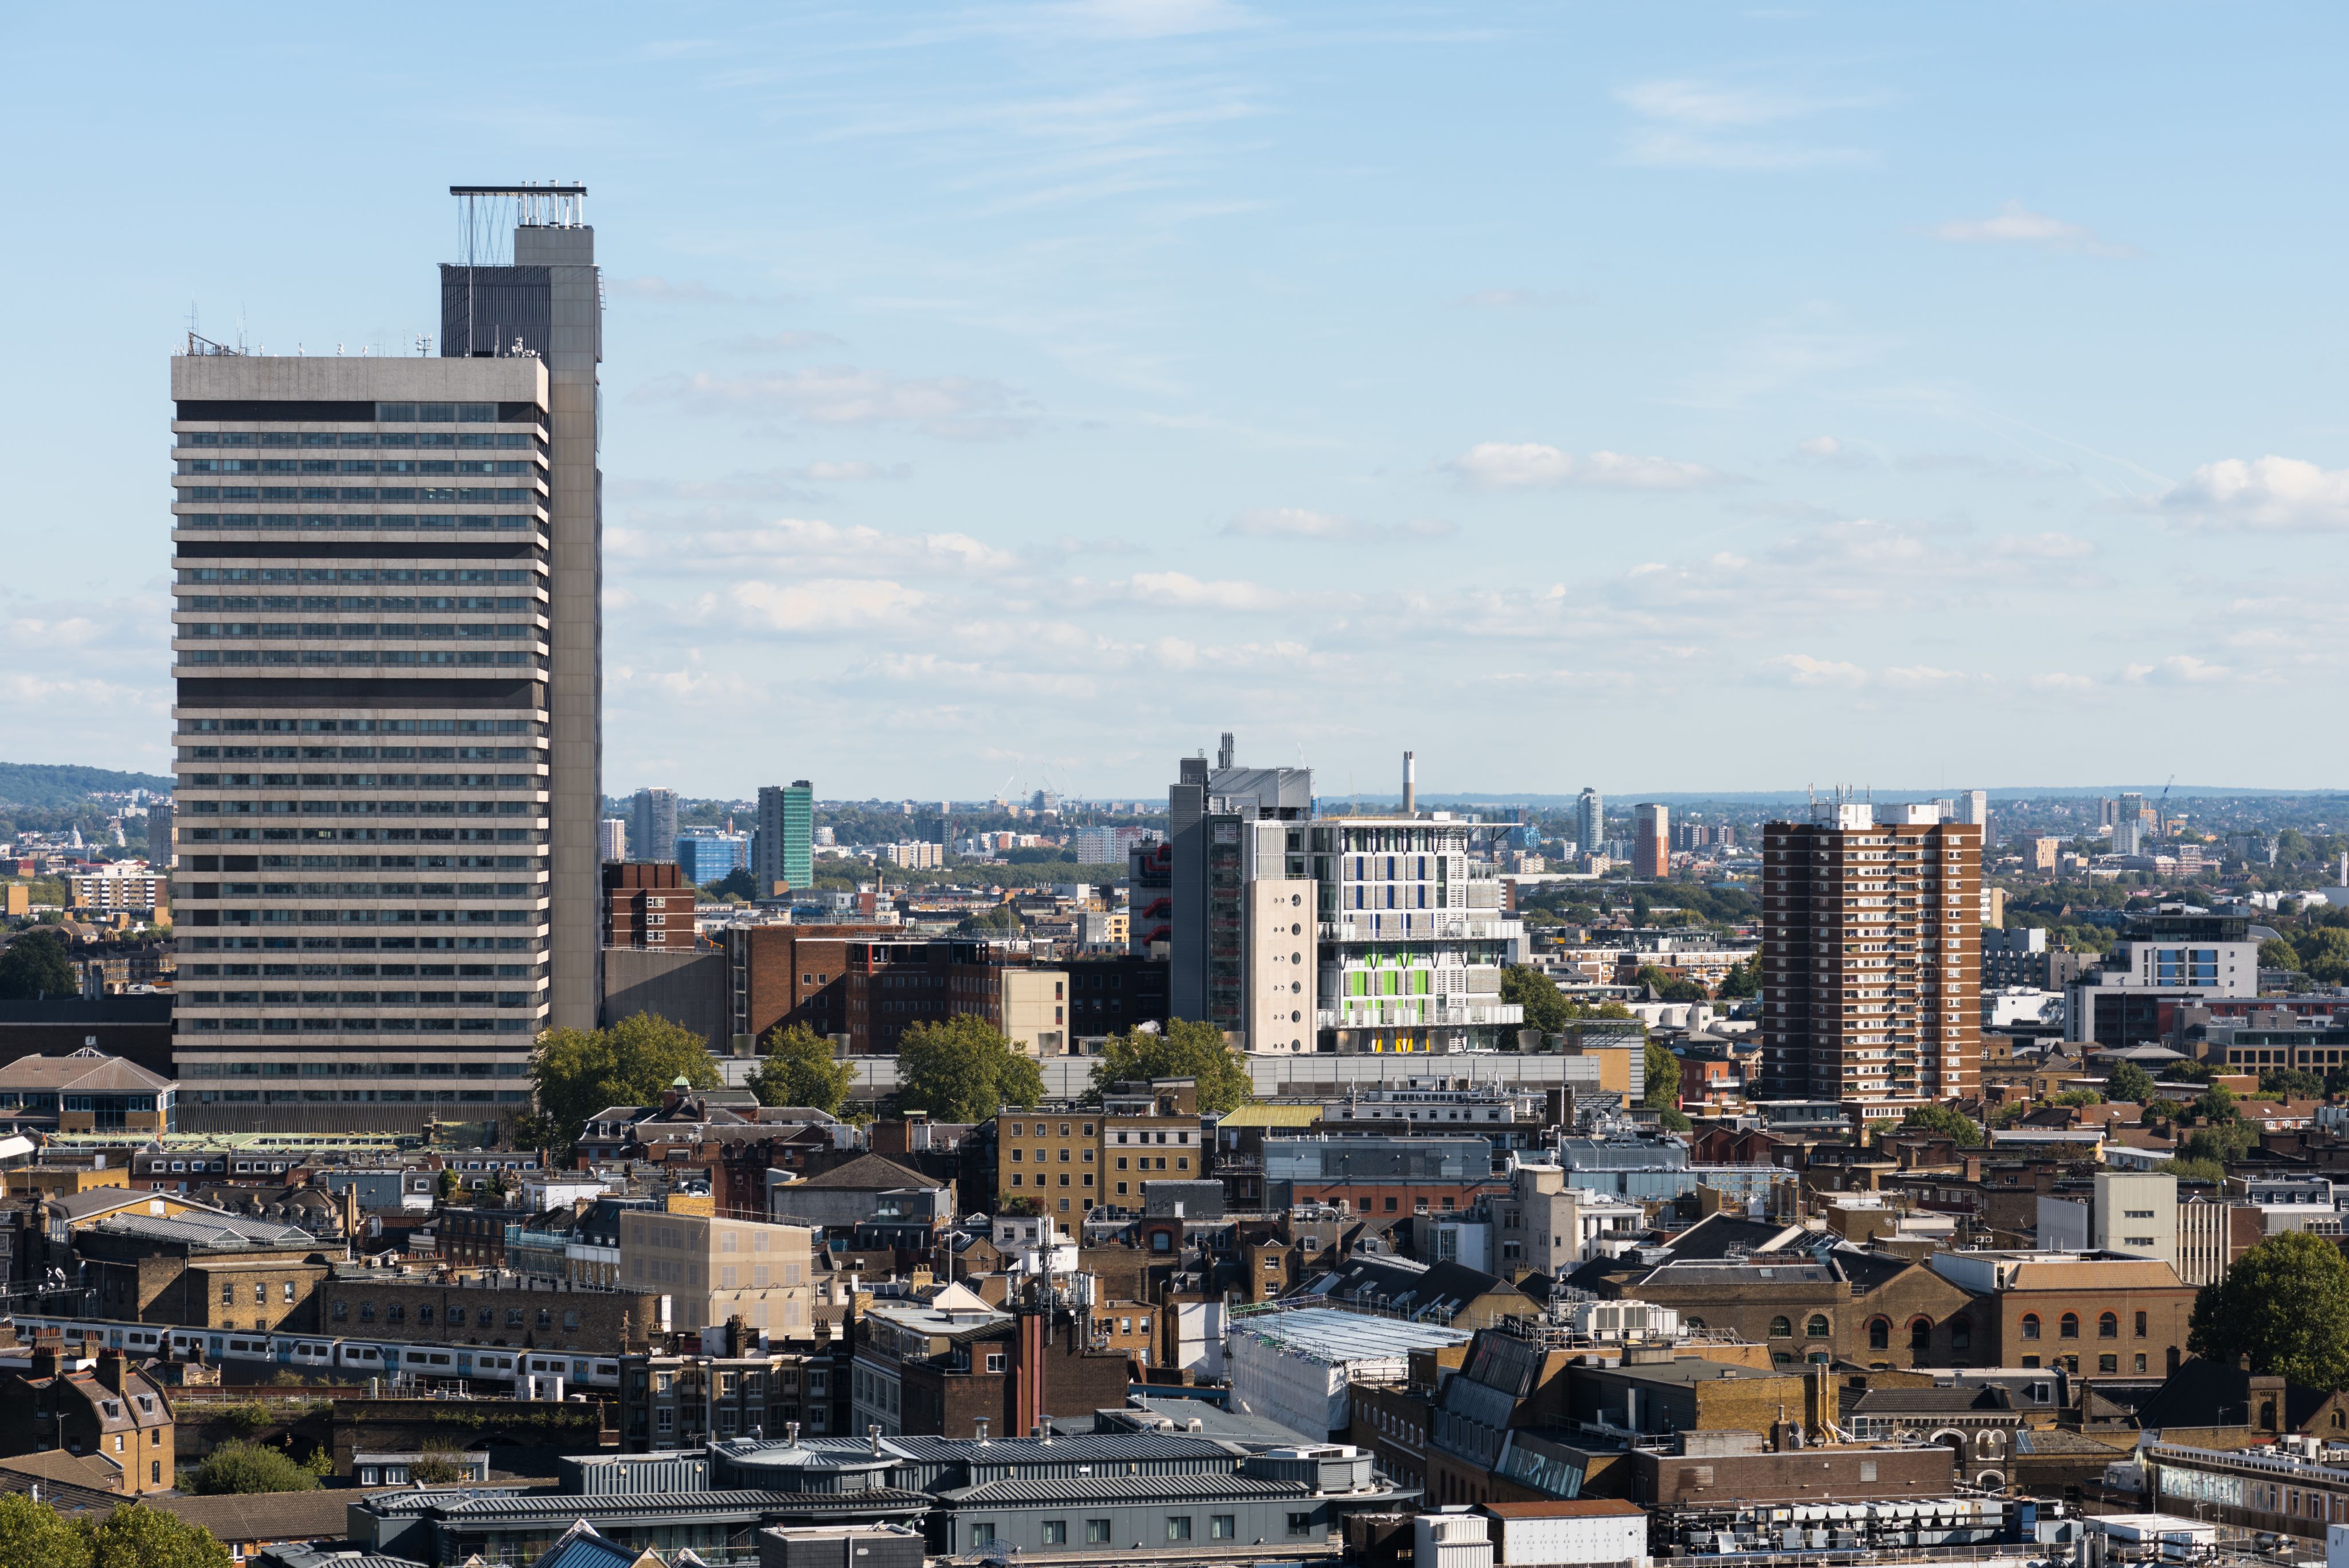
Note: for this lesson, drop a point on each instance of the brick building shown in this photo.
(1871, 956)
(538, 1314)
(112, 1412)
(647, 903)
(1837, 1473)
(2098, 1315)
(686, 1401)
(223, 1273)
(782, 975)
(893, 985)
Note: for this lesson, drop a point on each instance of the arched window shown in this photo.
(2108, 1327)
(1817, 1327)
(2031, 1325)
(1782, 1329)
(1880, 1333)
(2070, 1327)
(1920, 1336)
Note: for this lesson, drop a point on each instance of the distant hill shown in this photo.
(50, 786)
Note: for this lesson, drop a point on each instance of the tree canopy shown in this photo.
(241, 1466)
(2130, 1084)
(961, 1070)
(1545, 1006)
(2285, 1304)
(1947, 1121)
(799, 1069)
(1185, 1049)
(36, 965)
(35, 1535)
(581, 1071)
(1670, 986)
(1663, 1071)
(1744, 979)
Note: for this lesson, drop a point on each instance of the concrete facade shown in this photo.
(364, 734)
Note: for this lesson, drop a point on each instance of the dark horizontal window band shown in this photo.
(357, 550)
(321, 412)
(387, 692)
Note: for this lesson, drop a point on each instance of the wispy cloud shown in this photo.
(2265, 495)
(1533, 465)
(1806, 669)
(1180, 591)
(963, 406)
(1693, 124)
(1297, 522)
(2178, 669)
(2016, 225)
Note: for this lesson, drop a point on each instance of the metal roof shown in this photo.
(226, 1231)
(1123, 1489)
(618, 1505)
(1327, 1333)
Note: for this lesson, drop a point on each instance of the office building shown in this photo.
(1870, 956)
(782, 852)
(893, 985)
(2133, 1212)
(121, 888)
(159, 847)
(913, 855)
(713, 1269)
(647, 903)
(708, 856)
(1590, 821)
(1150, 898)
(1973, 807)
(652, 823)
(1411, 947)
(2022, 957)
(377, 926)
(2170, 956)
(1652, 851)
(612, 839)
(1209, 874)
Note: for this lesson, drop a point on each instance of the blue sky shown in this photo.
(1692, 396)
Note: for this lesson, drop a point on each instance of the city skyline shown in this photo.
(1041, 392)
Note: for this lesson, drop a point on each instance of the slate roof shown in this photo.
(228, 1230)
(1924, 1401)
(1122, 1489)
(2214, 1394)
(267, 1516)
(1447, 1288)
(866, 1173)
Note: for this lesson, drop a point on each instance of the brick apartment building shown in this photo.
(647, 903)
(1871, 957)
(778, 976)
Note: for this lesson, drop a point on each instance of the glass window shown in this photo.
(2108, 1327)
(2031, 1325)
(1222, 1526)
(1056, 1532)
(2070, 1326)
(1300, 1525)
(1178, 1527)
(982, 1533)
(1096, 1531)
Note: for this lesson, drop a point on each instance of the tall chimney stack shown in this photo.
(1410, 785)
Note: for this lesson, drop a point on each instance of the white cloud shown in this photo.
(2178, 669)
(1923, 675)
(1804, 670)
(1179, 590)
(1820, 447)
(2267, 495)
(2042, 547)
(1152, 18)
(1297, 522)
(812, 546)
(960, 406)
(2016, 225)
(812, 605)
(2056, 681)
(1529, 465)
(1693, 124)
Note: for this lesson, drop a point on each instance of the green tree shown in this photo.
(1663, 1071)
(35, 1535)
(1002, 918)
(2292, 1084)
(1744, 980)
(449, 1186)
(2216, 1104)
(36, 965)
(2278, 952)
(581, 1071)
(242, 1467)
(736, 884)
(142, 1537)
(2077, 1098)
(2221, 1142)
(2130, 1084)
(1670, 986)
(1641, 909)
(1946, 1121)
(535, 1130)
(1545, 1006)
(439, 1463)
(960, 1070)
(1183, 1049)
(2187, 1169)
(1673, 1121)
(2285, 1304)
(2323, 954)
(798, 1069)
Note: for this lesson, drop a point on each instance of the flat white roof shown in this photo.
(1328, 1334)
